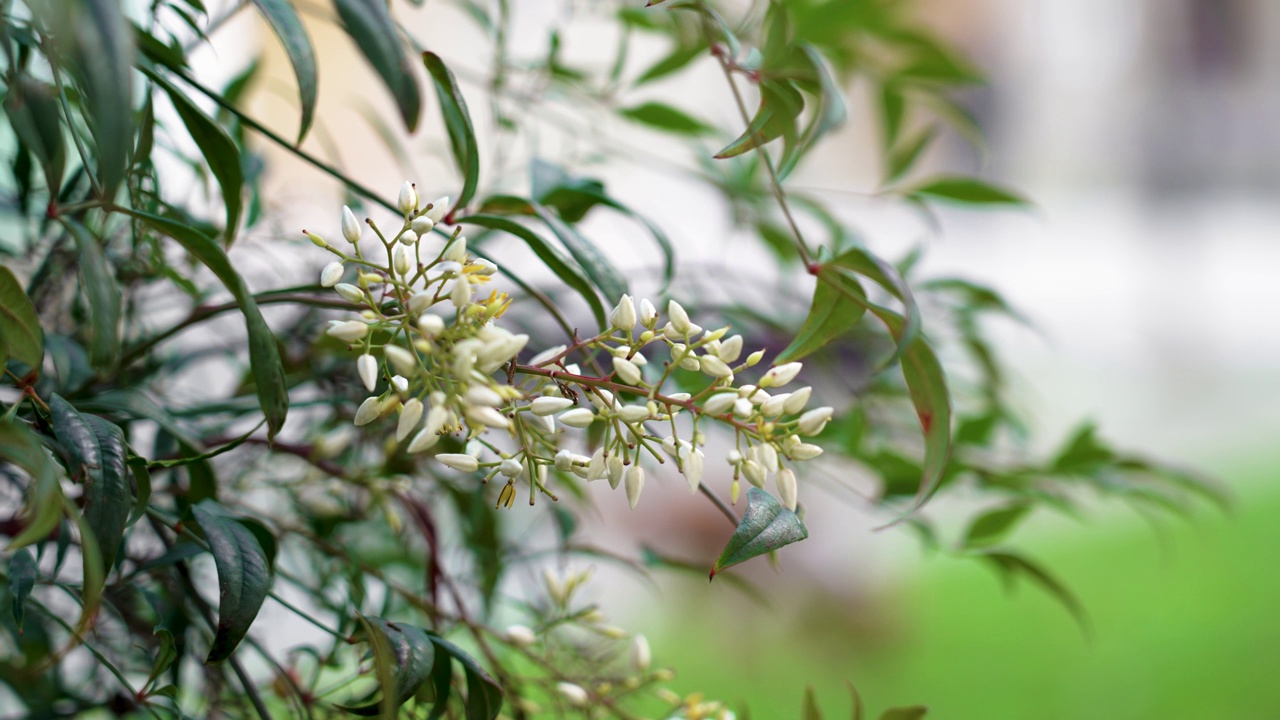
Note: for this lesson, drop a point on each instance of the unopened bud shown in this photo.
(719, 403)
(616, 470)
(349, 292)
(459, 461)
(648, 314)
(349, 331)
(367, 369)
(401, 260)
(457, 250)
(316, 239)
(410, 414)
(408, 199)
(804, 451)
(422, 225)
(573, 694)
(786, 482)
(461, 294)
(520, 636)
(564, 460)
(431, 325)
(714, 366)
(627, 371)
(578, 417)
(331, 274)
(813, 421)
(754, 358)
(678, 317)
(623, 316)
(439, 207)
(350, 226)
(754, 473)
(545, 406)
(632, 414)
(797, 401)
(368, 411)
(640, 657)
(730, 349)
(635, 485)
(780, 375)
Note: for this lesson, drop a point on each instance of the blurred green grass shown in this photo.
(1187, 625)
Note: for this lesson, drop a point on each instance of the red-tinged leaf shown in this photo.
(765, 527)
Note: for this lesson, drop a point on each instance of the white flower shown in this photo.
(692, 467)
(616, 469)
(627, 371)
(648, 314)
(331, 274)
(804, 451)
(410, 414)
(714, 366)
(635, 485)
(431, 325)
(481, 395)
(733, 457)
(367, 368)
(786, 481)
(577, 417)
(520, 636)
(730, 349)
(349, 331)
(422, 225)
(742, 407)
(547, 355)
(774, 405)
(457, 250)
(755, 473)
(813, 421)
(459, 461)
(487, 416)
(350, 226)
(596, 466)
(461, 293)
(768, 456)
(401, 359)
(630, 414)
(573, 694)
(439, 207)
(368, 411)
(780, 375)
(564, 460)
(719, 403)
(623, 316)
(640, 657)
(545, 406)
(498, 347)
(679, 318)
(429, 435)
(350, 292)
(797, 401)
(408, 199)
(400, 383)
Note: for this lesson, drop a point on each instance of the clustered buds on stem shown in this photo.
(428, 328)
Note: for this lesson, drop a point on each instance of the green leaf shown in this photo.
(244, 576)
(829, 115)
(563, 267)
(369, 23)
(665, 117)
(572, 196)
(165, 655)
(914, 712)
(967, 191)
(21, 447)
(220, 152)
(859, 711)
(93, 572)
(297, 45)
(593, 262)
(102, 296)
(903, 156)
(780, 105)
(765, 527)
(864, 263)
(672, 62)
(834, 312)
(97, 452)
(1011, 566)
(457, 121)
(22, 578)
(992, 526)
(264, 355)
(20, 335)
(810, 709)
(32, 109)
(403, 653)
(141, 479)
(484, 695)
(95, 42)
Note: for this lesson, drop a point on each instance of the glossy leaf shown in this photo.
(102, 298)
(370, 25)
(867, 265)
(597, 267)
(21, 337)
(297, 45)
(97, 452)
(402, 653)
(22, 579)
(992, 526)
(665, 117)
(765, 527)
(165, 655)
(220, 152)
(244, 576)
(484, 695)
(833, 313)
(93, 572)
(32, 109)
(967, 191)
(142, 481)
(20, 446)
(1011, 566)
(914, 712)
(457, 121)
(264, 355)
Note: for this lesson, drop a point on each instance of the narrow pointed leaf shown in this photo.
(369, 24)
(765, 527)
(297, 45)
(992, 526)
(859, 710)
(833, 313)
(405, 655)
(244, 576)
(915, 712)
(142, 481)
(967, 191)
(810, 709)
(442, 682)
(665, 117)
(457, 121)
(597, 267)
(93, 573)
(484, 695)
(867, 265)
(165, 655)
(32, 109)
(97, 452)
(22, 578)
(20, 333)
(20, 446)
(1011, 566)
(780, 104)
(264, 355)
(102, 297)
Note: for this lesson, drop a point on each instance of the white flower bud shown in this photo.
(331, 274)
(742, 407)
(350, 292)
(615, 467)
(786, 482)
(797, 401)
(410, 414)
(401, 359)
(368, 411)
(400, 383)
(804, 451)
(545, 406)
(768, 456)
(719, 403)
(714, 366)
(730, 349)
(734, 457)
(481, 395)
(459, 461)
(627, 371)
(546, 355)
(813, 421)
(755, 473)
(640, 657)
(754, 358)
(487, 416)
(316, 239)
(648, 314)
(679, 318)
(564, 460)
(408, 199)
(461, 293)
(623, 316)
(774, 405)
(431, 325)
(577, 417)
(457, 250)
(408, 238)
(635, 485)
(367, 369)
(596, 466)
(573, 694)
(511, 467)
(632, 414)
(439, 208)
(693, 468)
(429, 435)
(691, 363)
(422, 225)
(350, 226)
(349, 331)
(780, 375)
(519, 635)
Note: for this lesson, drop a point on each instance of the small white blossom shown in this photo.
(487, 416)
(407, 201)
(546, 355)
(635, 485)
(640, 657)
(813, 421)
(564, 460)
(730, 349)
(627, 371)
(797, 401)
(804, 451)
(459, 461)
(577, 417)
(349, 331)
(401, 359)
(733, 457)
(510, 467)
(431, 325)
(623, 316)
(714, 366)
(350, 226)
(400, 383)
(786, 482)
(755, 474)
(631, 414)
(615, 467)
(481, 395)
(422, 225)
(679, 318)
(520, 636)
(410, 414)
(719, 403)
(648, 314)
(350, 292)
(693, 460)
(457, 250)
(367, 369)
(767, 454)
(742, 407)
(780, 375)
(545, 406)
(439, 207)
(596, 465)
(774, 406)
(331, 274)
(368, 411)
(461, 293)
(408, 238)
(573, 694)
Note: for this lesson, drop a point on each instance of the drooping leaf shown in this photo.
(1011, 566)
(864, 263)
(829, 114)
(914, 712)
(93, 573)
(780, 104)
(220, 152)
(597, 267)
(165, 655)
(102, 296)
(20, 446)
(21, 337)
(32, 109)
(859, 710)
(673, 62)
(832, 314)
(22, 578)
(572, 196)
(142, 480)
(765, 527)
(665, 117)
(484, 695)
(992, 526)
(97, 451)
(457, 121)
(297, 45)
(402, 653)
(810, 709)
(967, 191)
(244, 576)
(369, 23)
(264, 355)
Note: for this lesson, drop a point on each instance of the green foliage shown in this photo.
(765, 527)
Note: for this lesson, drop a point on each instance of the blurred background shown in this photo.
(1145, 133)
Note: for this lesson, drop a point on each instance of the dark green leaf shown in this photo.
(404, 654)
(992, 526)
(21, 337)
(1011, 566)
(102, 296)
(968, 191)
(457, 121)
(97, 451)
(1083, 453)
(141, 479)
(833, 313)
(219, 151)
(32, 109)
(892, 109)
(264, 355)
(914, 712)
(93, 572)
(593, 262)
(571, 196)
(765, 527)
(484, 696)
(297, 45)
(244, 576)
(442, 682)
(22, 578)
(810, 710)
(665, 117)
(864, 263)
(165, 655)
(369, 23)
(21, 447)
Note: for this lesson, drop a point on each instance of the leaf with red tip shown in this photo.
(765, 527)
